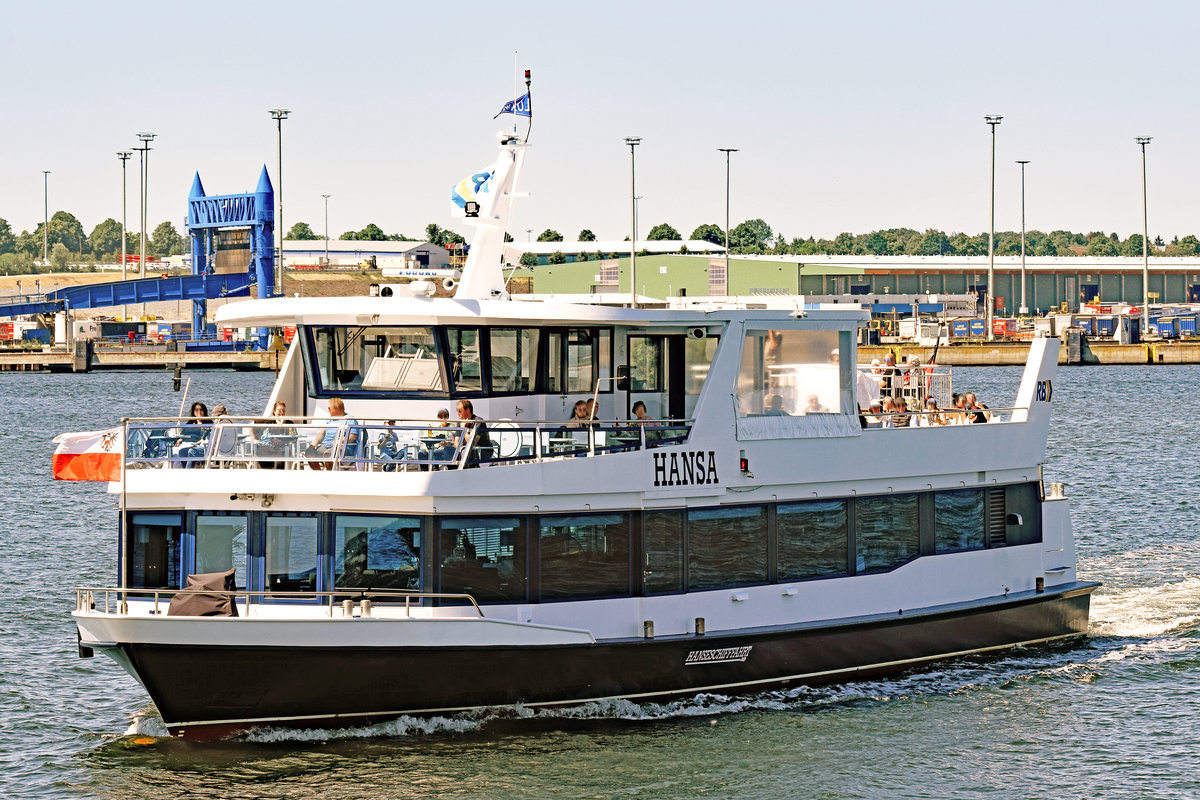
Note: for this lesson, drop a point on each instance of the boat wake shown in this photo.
(1146, 611)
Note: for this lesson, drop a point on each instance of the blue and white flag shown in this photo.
(520, 107)
(473, 188)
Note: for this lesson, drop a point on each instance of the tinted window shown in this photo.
(811, 539)
(221, 545)
(584, 556)
(291, 554)
(663, 570)
(153, 553)
(514, 359)
(377, 552)
(727, 546)
(376, 359)
(483, 557)
(886, 533)
(958, 520)
(465, 364)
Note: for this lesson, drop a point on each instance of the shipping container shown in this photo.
(960, 327)
(1166, 327)
(1187, 325)
(978, 327)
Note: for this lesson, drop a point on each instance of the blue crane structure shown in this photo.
(206, 215)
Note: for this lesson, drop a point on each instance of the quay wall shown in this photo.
(62, 360)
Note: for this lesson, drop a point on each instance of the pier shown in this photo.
(148, 357)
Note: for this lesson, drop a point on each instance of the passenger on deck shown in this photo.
(775, 406)
(872, 418)
(976, 411)
(903, 419)
(580, 417)
(889, 376)
(813, 406)
(443, 449)
(931, 414)
(274, 440)
(889, 409)
(482, 446)
(338, 424)
(192, 442)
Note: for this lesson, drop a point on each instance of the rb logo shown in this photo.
(1043, 392)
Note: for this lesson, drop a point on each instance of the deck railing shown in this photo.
(382, 445)
(116, 599)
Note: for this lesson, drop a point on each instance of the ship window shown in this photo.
(958, 520)
(153, 555)
(483, 557)
(646, 363)
(221, 545)
(663, 570)
(886, 533)
(377, 552)
(726, 546)
(291, 554)
(465, 365)
(789, 372)
(812, 539)
(514, 359)
(376, 359)
(584, 556)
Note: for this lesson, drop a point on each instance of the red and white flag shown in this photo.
(88, 456)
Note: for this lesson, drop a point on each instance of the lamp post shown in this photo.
(326, 230)
(1024, 309)
(989, 297)
(279, 115)
(144, 159)
(727, 151)
(1143, 141)
(46, 224)
(124, 156)
(633, 142)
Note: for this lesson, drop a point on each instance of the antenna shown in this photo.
(528, 91)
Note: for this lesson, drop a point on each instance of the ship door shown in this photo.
(657, 375)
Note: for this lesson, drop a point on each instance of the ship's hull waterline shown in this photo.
(206, 692)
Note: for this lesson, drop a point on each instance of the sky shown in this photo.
(847, 116)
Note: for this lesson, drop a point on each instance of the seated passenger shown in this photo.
(481, 445)
(191, 443)
(775, 406)
(872, 418)
(889, 413)
(275, 440)
(976, 411)
(903, 419)
(337, 425)
(930, 414)
(580, 417)
(814, 406)
(443, 448)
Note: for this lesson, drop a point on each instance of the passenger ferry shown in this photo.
(721, 519)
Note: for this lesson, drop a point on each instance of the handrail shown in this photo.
(85, 596)
(228, 442)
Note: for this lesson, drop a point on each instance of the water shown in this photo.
(1115, 717)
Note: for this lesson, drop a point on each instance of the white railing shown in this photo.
(382, 445)
(116, 599)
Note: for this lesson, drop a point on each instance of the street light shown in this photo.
(1143, 141)
(279, 115)
(1024, 309)
(990, 303)
(727, 151)
(633, 142)
(144, 160)
(46, 224)
(124, 156)
(326, 230)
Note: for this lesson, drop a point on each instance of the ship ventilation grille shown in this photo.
(995, 517)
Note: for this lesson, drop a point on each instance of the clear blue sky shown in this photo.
(849, 116)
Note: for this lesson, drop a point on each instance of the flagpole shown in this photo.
(516, 70)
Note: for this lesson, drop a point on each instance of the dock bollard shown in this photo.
(699, 626)
(364, 608)
(347, 608)
(648, 629)
(1039, 585)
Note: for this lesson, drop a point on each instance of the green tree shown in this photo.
(528, 260)
(709, 233)
(301, 232)
(399, 237)
(751, 236)
(1158, 242)
(557, 257)
(106, 238)
(166, 241)
(550, 235)
(933, 243)
(1133, 245)
(662, 232)
(1101, 246)
(60, 257)
(8, 242)
(586, 235)
(583, 257)
(16, 263)
(1185, 246)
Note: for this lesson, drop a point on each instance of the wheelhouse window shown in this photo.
(577, 358)
(514, 353)
(812, 539)
(221, 545)
(727, 546)
(584, 556)
(886, 532)
(377, 552)
(376, 359)
(646, 363)
(153, 554)
(466, 371)
(290, 553)
(791, 373)
(483, 557)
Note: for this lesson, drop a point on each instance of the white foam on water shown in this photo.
(1145, 611)
(147, 723)
(401, 727)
